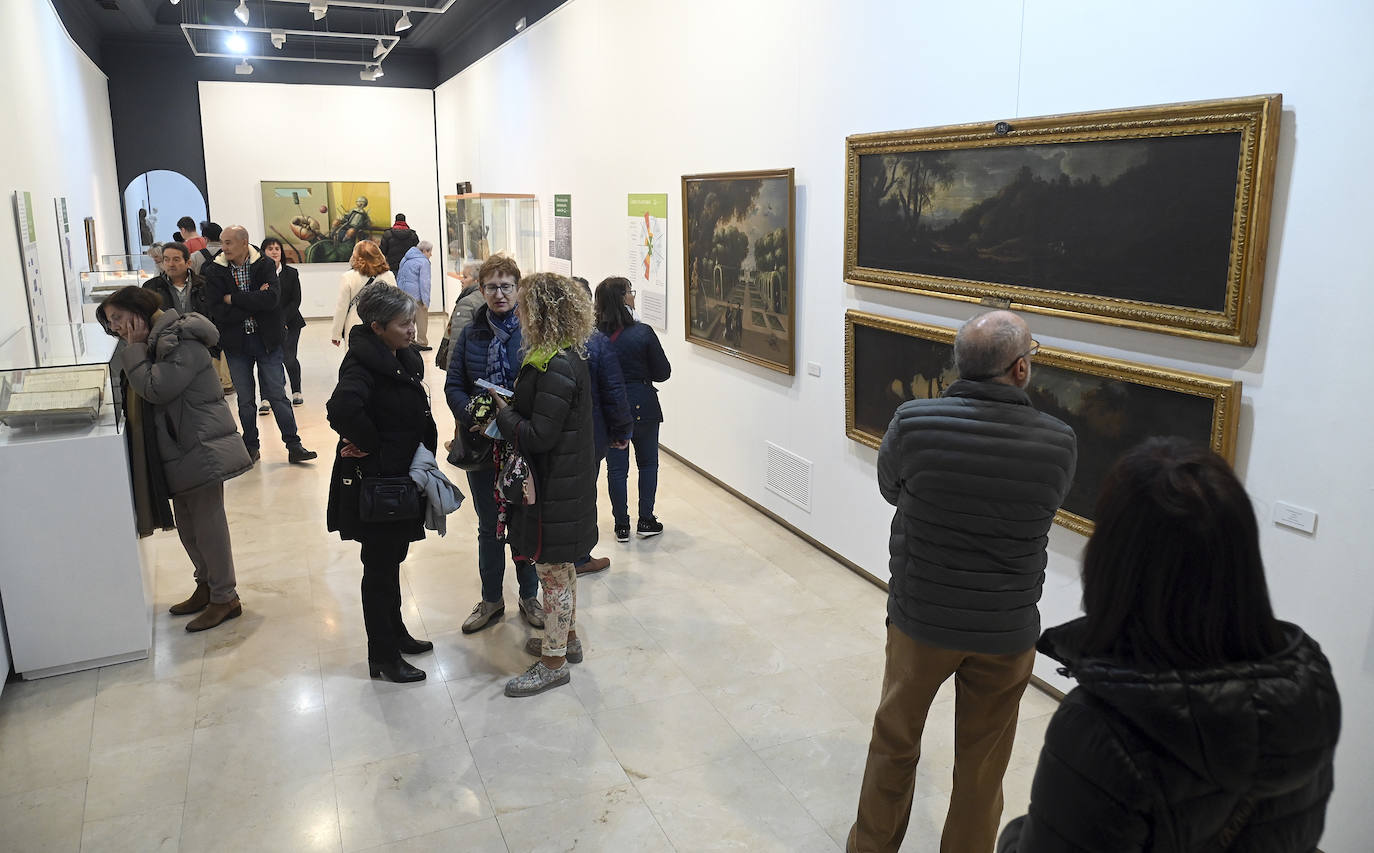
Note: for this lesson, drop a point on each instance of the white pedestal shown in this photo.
(76, 586)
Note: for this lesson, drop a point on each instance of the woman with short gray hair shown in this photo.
(412, 276)
(380, 409)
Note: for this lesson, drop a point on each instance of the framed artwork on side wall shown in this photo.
(1155, 217)
(738, 234)
(319, 222)
(1112, 405)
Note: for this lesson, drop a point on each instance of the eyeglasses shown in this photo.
(1030, 353)
(498, 288)
(631, 292)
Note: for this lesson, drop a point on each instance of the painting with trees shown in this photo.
(1112, 405)
(1154, 218)
(738, 264)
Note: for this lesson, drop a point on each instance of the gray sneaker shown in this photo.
(537, 679)
(535, 646)
(482, 615)
(533, 612)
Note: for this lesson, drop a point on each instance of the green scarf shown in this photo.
(541, 356)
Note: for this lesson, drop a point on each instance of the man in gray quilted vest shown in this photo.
(977, 476)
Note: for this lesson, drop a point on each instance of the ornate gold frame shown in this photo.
(790, 366)
(1255, 118)
(1224, 394)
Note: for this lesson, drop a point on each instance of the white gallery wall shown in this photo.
(57, 142)
(606, 97)
(283, 132)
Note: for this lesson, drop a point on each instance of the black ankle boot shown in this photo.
(397, 670)
(411, 646)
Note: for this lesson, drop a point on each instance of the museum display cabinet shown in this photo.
(479, 225)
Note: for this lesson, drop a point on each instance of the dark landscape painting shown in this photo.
(1143, 219)
(738, 232)
(1111, 405)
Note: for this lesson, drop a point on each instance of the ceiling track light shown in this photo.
(404, 23)
(278, 38)
(236, 43)
(243, 68)
(242, 11)
(371, 73)
(319, 9)
(379, 51)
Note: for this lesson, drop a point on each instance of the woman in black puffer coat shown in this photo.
(549, 422)
(380, 409)
(1200, 723)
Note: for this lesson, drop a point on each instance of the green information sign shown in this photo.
(562, 205)
(654, 204)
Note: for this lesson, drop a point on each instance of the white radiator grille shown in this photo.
(789, 476)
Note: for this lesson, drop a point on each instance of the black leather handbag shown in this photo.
(382, 499)
(470, 451)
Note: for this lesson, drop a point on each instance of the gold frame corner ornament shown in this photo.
(1256, 118)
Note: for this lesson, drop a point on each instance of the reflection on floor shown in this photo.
(730, 681)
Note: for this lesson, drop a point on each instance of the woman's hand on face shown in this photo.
(136, 330)
(351, 451)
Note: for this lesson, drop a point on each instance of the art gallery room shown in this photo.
(807, 199)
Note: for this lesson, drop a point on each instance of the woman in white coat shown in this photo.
(368, 265)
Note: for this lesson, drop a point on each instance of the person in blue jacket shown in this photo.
(489, 349)
(642, 363)
(413, 277)
(611, 422)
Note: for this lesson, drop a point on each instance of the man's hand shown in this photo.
(265, 287)
(228, 299)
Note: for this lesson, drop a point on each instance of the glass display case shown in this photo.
(129, 263)
(479, 225)
(70, 389)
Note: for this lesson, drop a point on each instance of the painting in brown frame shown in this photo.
(1111, 404)
(739, 262)
(1152, 217)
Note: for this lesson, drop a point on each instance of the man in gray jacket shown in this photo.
(977, 476)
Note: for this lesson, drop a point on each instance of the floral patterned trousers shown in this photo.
(559, 581)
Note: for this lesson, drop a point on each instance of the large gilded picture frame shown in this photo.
(1155, 217)
(739, 262)
(1111, 404)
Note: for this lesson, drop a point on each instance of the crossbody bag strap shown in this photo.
(354, 301)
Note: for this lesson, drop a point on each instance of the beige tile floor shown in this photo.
(702, 719)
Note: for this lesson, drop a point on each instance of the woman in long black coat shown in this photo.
(1200, 722)
(290, 282)
(380, 409)
(549, 422)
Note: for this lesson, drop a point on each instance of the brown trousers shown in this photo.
(422, 324)
(222, 370)
(987, 696)
(204, 531)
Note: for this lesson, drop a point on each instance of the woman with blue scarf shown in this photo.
(489, 349)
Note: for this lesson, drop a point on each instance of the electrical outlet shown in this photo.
(1295, 517)
(813, 368)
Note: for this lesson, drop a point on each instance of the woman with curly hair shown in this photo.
(368, 265)
(549, 422)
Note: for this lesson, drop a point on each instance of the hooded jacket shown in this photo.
(263, 307)
(1162, 761)
(197, 439)
(412, 275)
(396, 242)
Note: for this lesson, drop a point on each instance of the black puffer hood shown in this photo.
(1262, 727)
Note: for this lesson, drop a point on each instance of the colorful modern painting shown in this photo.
(319, 222)
(1112, 405)
(738, 230)
(1155, 217)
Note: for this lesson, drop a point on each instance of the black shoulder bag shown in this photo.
(382, 499)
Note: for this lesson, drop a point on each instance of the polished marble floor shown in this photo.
(729, 686)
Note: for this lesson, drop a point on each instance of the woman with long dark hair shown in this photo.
(290, 282)
(1200, 721)
(642, 362)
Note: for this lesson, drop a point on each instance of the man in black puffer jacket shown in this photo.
(977, 476)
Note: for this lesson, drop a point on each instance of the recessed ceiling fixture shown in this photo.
(243, 68)
(404, 23)
(242, 11)
(379, 50)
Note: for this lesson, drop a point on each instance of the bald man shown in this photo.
(976, 475)
(245, 303)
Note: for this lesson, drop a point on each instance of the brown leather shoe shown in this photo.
(215, 614)
(196, 603)
(597, 564)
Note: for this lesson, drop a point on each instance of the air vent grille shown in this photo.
(789, 476)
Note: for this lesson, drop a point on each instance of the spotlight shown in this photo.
(370, 73)
(243, 68)
(520, 25)
(378, 73)
(174, 2)
(403, 24)
(237, 44)
(278, 38)
(379, 50)
(318, 8)
(242, 11)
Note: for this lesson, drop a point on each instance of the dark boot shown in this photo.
(411, 646)
(198, 601)
(397, 670)
(215, 614)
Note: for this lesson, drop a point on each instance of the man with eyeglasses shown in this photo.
(489, 349)
(976, 475)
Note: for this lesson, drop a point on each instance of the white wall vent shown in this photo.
(789, 476)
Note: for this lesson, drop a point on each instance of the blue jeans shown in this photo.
(645, 441)
(272, 384)
(491, 553)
